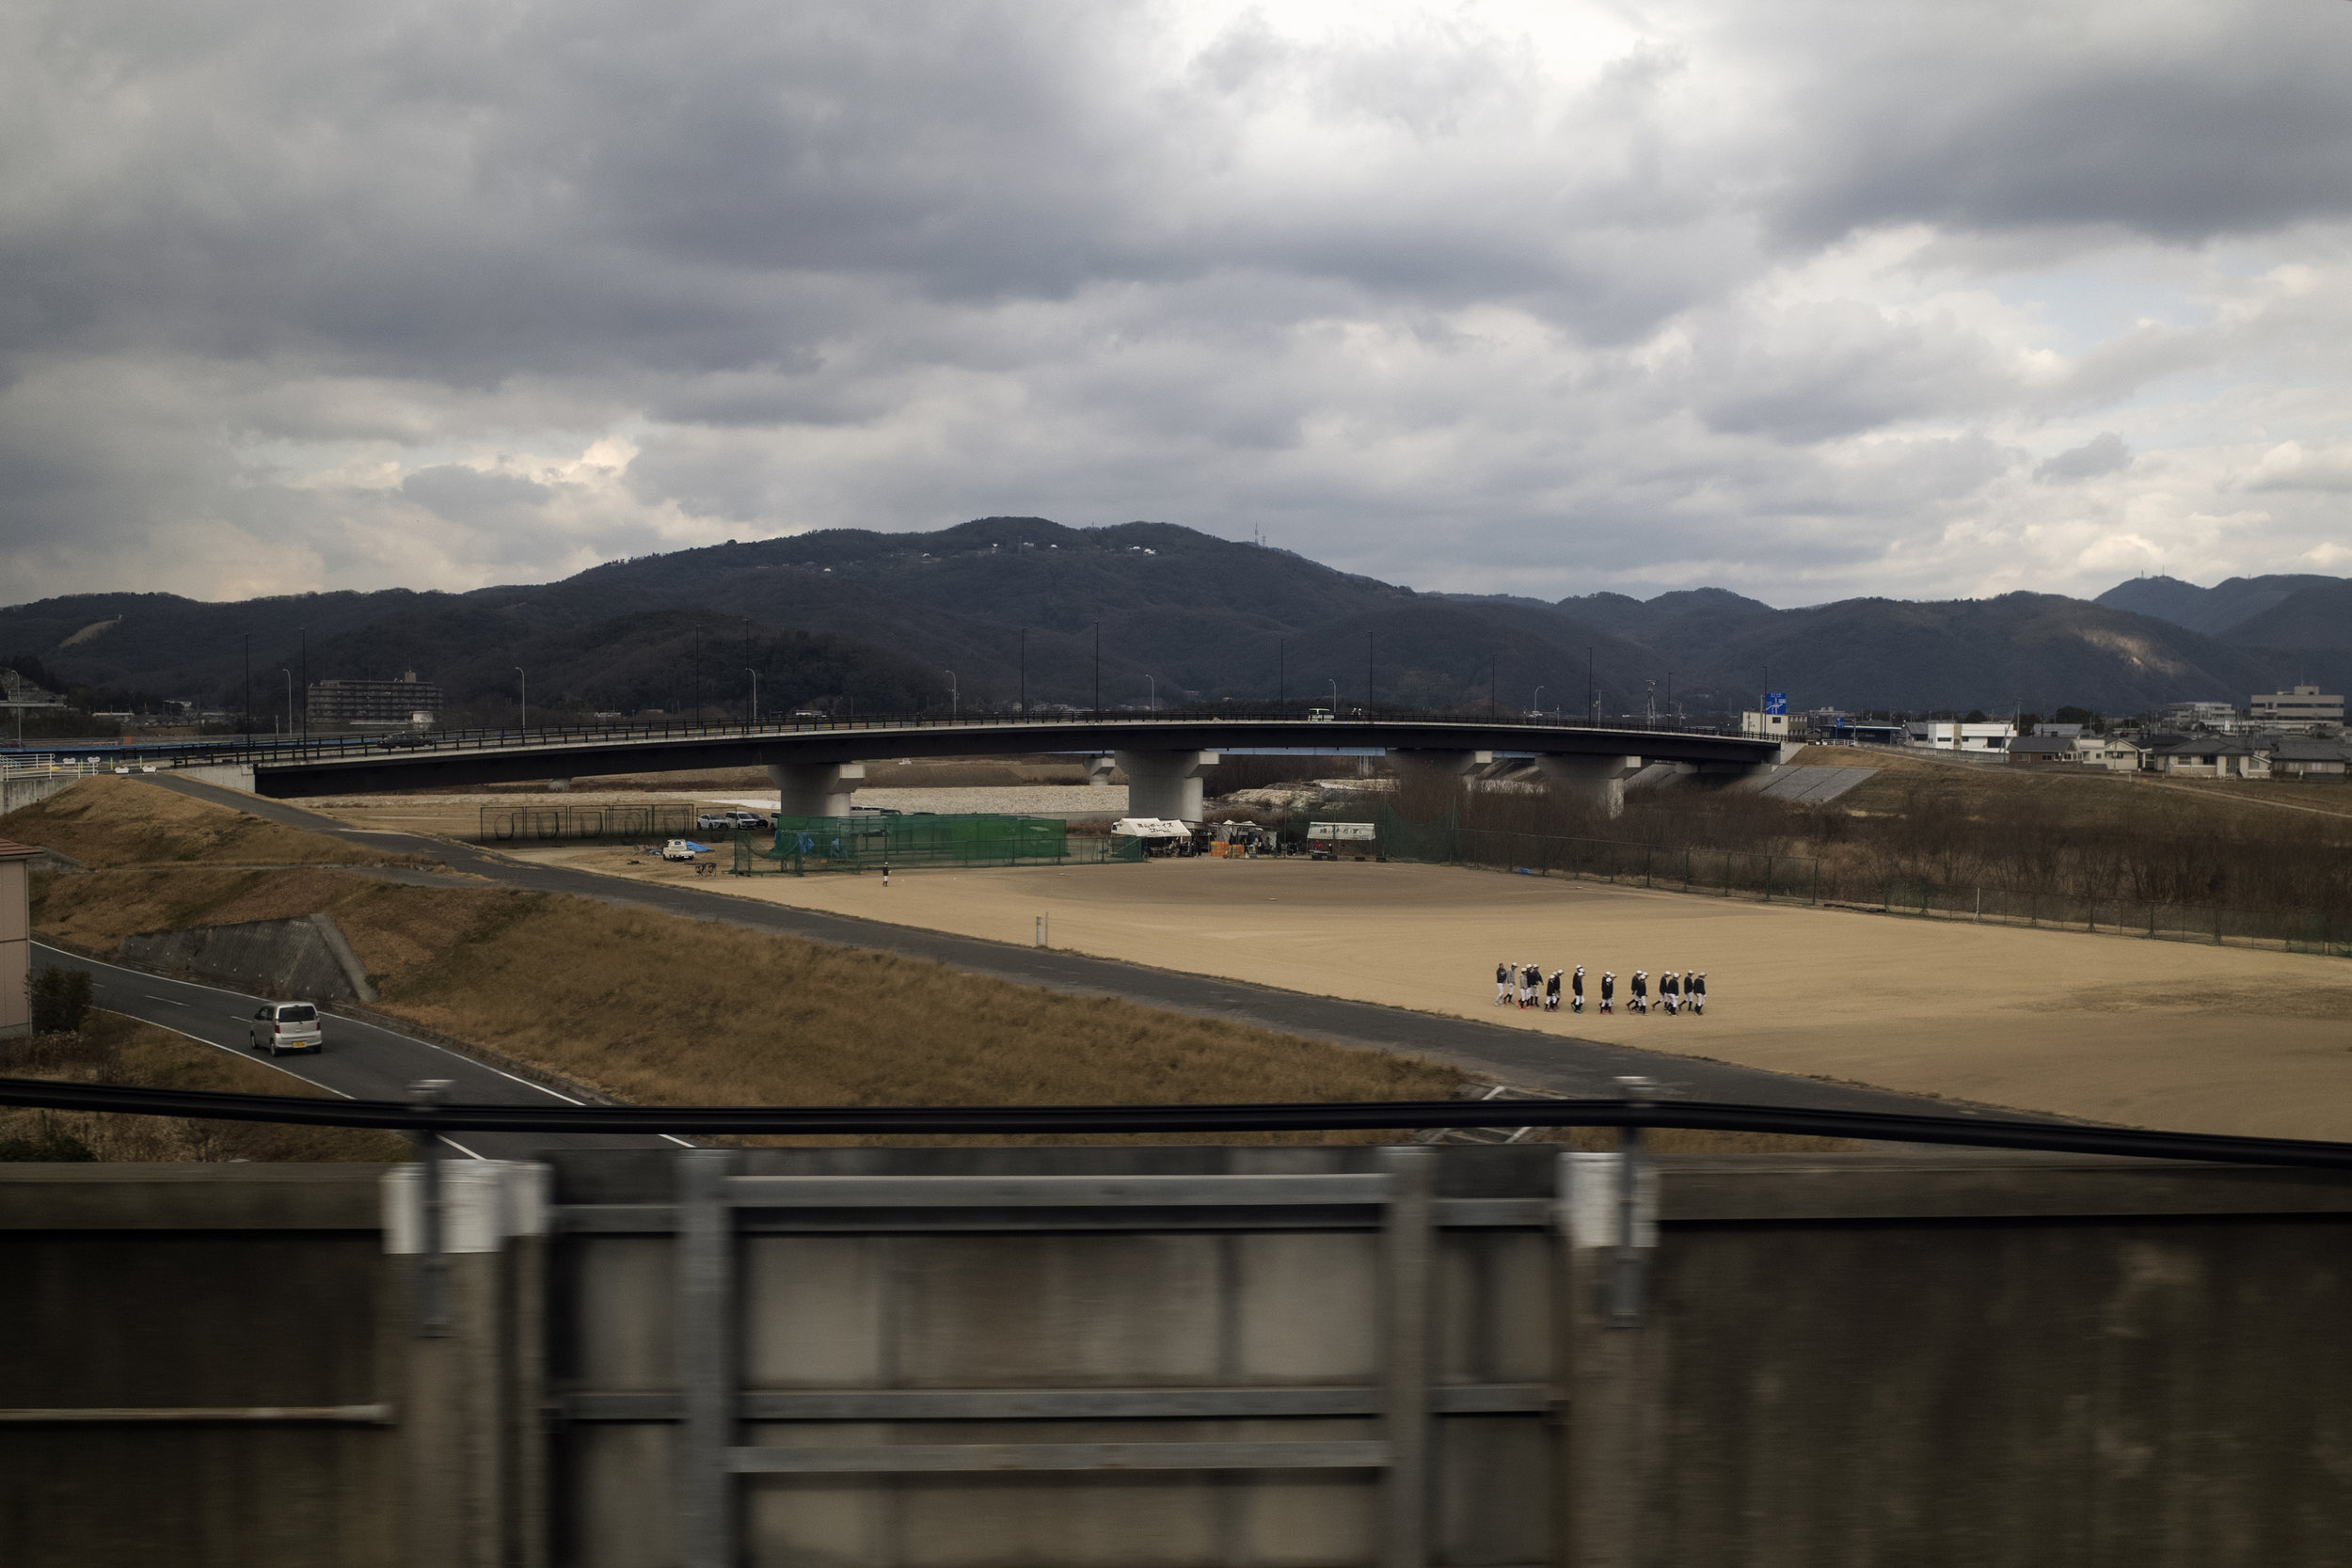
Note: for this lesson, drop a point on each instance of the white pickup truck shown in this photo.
(683, 850)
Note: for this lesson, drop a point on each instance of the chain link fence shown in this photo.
(801, 845)
(2296, 931)
(1727, 873)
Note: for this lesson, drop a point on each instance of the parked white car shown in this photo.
(714, 822)
(279, 1027)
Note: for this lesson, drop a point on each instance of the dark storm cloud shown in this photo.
(348, 294)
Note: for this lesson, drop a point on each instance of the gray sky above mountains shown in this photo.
(1805, 300)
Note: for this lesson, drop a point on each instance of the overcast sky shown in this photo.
(1804, 299)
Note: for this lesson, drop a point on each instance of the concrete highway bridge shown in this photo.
(817, 765)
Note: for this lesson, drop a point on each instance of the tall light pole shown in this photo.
(954, 704)
(754, 675)
(248, 691)
(1591, 693)
(289, 675)
(306, 686)
(1024, 671)
(1335, 697)
(1098, 668)
(1538, 703)
(1367, 671)
(1155, 698)
(1281, 674)
(523, 720)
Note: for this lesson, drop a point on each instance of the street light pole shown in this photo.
(249, 691)
(954, 703)
(1098, 668)
(524, 712)
(1538, 703)
(289, 675)
(1025, 672)
(754, 675)
(1155, 698)
(306, 684)
(1281, 674)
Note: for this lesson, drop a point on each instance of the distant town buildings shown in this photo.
(2303, 707)
(404, 704)
(2219, 717)
(1946, 734)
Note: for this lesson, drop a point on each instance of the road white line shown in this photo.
(352, 1022)
(164, 1000)
(241, 1055)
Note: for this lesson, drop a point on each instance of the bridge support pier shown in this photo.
(1600, 778)
(1164, 784)
(815, 788)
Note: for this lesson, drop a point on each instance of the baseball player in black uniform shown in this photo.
(1551, 992)
(1502, 984)
(1698, 993)
(1608, 991)
(1639, 1001)
(1576, 990)
(1669, 990)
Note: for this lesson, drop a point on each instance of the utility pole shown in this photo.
(1025, 672)
(249, 691)
(1591, 693)
(1281, 674)
(1098, 667)
(523, 713)
(306, 684)
(955, 703)
(755, 719)
(1367, 673)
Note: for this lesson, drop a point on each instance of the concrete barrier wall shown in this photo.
(303, 958)
(787, 1355)
(20, 790)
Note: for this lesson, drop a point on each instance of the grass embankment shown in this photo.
(112, 1049)
(109, 822)
(654, 1009)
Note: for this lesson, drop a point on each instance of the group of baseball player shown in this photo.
(1528, 986)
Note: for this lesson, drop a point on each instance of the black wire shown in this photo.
(1084, 1121)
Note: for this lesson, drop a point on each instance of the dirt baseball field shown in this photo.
(2155, 1033)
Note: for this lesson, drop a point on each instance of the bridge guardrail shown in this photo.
(342, 748)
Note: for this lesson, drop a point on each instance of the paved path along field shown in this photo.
(1561, 1064)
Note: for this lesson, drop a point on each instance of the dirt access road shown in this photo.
(2112, 1028)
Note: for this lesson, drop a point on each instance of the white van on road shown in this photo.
(279, 1027)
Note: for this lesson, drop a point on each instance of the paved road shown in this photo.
(362, 1061)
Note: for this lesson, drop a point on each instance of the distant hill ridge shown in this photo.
(858, 620)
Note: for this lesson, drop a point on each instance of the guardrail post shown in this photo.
(1406, 1266)
(705, 1354)
(433, 1257)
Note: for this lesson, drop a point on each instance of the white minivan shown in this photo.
(279, 1027)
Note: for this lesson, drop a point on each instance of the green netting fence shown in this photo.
(2297, 931)
(1728, 873)
(801, 845)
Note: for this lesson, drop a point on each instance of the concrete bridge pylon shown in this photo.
(1164, 784)
(815, 788)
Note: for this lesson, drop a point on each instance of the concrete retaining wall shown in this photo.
(1830, 1359)
(18, 791)
(306, 958)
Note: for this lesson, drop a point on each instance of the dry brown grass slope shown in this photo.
(651, 1008)
(110, 821)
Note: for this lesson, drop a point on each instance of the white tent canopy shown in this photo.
(1149, 826)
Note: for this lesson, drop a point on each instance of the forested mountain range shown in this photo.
(850, 619)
